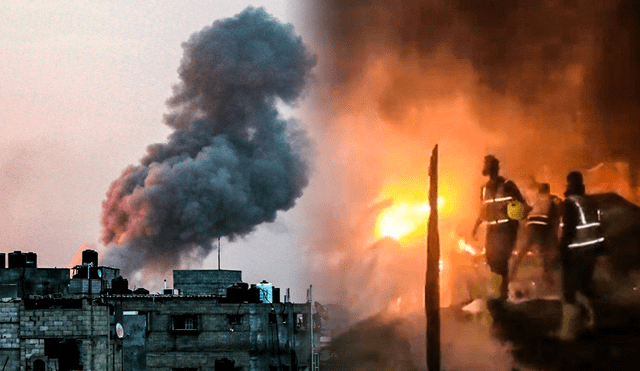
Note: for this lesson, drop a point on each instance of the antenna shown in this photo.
(218, 253)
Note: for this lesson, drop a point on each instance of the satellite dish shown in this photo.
(119, 331)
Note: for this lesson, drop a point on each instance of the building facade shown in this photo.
(200, 332)
(51, 319)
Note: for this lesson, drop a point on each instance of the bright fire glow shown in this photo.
(404, 221)
(406, 218)
(465, 247)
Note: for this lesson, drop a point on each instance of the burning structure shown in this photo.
(530, 82)
(91, 320)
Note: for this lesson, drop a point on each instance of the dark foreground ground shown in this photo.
(506, 336)
(613, 344)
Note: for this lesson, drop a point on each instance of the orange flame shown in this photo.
(465, 247)
(405, 219)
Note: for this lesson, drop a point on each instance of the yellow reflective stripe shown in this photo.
(537, 216)
(500, 221)
(537, 222)
(583, 226)
(582, 217)
(592, 242)
(499, 199)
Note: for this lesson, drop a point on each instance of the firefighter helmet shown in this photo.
(515, 210)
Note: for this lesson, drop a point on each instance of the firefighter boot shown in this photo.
(588, 312)
(571, 320)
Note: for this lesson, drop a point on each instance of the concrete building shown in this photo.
(210, 320)
(56, 334)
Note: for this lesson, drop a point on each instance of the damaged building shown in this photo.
(86, 318)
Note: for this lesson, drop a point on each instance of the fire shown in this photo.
(404, 221)
(406, 217)
(465, 247)
(401, 220)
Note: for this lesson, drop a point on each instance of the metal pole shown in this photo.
(432, 285)
(218, 253)
(313, 351)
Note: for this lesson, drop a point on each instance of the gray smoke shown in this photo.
(231, 163)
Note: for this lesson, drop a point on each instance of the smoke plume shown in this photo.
(231, 162)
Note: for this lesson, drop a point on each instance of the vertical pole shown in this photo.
(218, 253)
(313, 350)
(432, 285)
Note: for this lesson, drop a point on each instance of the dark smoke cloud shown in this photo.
(231, 163)
(613, 89)
(572, 65)
(520, 49)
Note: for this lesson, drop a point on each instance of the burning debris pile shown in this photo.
(231, 162)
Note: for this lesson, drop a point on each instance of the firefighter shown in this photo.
(501, 231)
(580, 244)
(541, 234)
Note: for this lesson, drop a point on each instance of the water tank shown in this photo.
(276, 295)
(17, 259)
(31, 260)
(266, 292)
(90, 256)
(236, 294)
(141, 291)
(81, 272)
(2, 261)
(253, 294)
(120, 285)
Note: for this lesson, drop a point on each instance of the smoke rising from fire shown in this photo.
(231, 162)
(525, 81)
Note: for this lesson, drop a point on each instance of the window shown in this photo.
(302, 321)
(234, 319)
(184, 369)
(52, 347)
(185, 322)
(39, 365)
(225, 364)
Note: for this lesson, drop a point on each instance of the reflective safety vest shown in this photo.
(495, 206)
(588, 231)
(539, 214)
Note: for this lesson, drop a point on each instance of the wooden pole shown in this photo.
(432, 285)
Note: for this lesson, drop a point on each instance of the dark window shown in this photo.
(39, 365)
(225, 364)
(273, 318)
(185, 322)
(184, 369)
(285, 317)
(234, 319)
(52, 348)
(70, 355)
